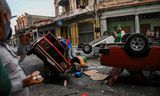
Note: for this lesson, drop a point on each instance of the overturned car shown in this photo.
(135, 54)
(91, 49)
(49, 49)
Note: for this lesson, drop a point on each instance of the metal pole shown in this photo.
(137, 23)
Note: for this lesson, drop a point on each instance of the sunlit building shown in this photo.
(83, 24)
(28, 23)
(75, 21)
(132, 15)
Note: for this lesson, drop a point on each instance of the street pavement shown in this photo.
(124, 86)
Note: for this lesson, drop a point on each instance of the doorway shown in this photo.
(144, 28)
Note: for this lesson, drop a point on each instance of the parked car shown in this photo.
(91, 49)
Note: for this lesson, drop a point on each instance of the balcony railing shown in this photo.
(74, 13)
(116, 3)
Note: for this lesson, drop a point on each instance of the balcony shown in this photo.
(74, 13)
(118, 3)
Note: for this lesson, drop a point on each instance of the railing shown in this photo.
(115, 3)
(74, 13)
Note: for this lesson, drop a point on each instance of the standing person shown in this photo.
(150, 35)
(24, 46)
(19, 81)
(67, 44)
(118, 34)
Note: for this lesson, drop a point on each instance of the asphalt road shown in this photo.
(124, 86)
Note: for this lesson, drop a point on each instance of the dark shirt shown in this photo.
(5, 84)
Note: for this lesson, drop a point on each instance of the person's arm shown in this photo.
(16, 85)
(16, 74)
(122, 33)
(115, 35)
(8, 62)
(32, 79)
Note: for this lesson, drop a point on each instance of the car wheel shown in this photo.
(124, 38)
(106, 33)
(87, 49)
(137, 45)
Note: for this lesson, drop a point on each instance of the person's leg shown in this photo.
(70, 53)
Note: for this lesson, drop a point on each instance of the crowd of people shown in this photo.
(118, 33)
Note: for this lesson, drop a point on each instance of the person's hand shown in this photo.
(115, 34)
(32, 79)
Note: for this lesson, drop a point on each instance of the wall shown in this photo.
(111, 22)
(155, 22)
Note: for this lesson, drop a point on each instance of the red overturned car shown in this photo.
(49, 49)
(135, 53)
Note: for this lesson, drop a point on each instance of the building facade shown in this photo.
(137, 16)
(28, 23)
(82, 21)
(76, 20)
(80, 24)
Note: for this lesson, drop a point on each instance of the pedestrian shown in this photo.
(150, 35)
(67, 44)
(23, 47)
(118, 33)
(19, 81)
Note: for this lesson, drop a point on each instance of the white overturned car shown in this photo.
(91, 49)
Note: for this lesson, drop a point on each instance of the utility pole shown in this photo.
(95, 14)
(97, 28)
(95, 11)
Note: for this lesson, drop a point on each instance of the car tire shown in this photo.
(137, 45)
(87, 49)
(106, 33)
(124, 38)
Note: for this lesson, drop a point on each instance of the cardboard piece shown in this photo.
(99, 76)
(90, 72)
(95, 75)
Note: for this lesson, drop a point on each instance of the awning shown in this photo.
(63, 2)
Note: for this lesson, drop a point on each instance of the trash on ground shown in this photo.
(65, 83)
(77, 74)
(84, 94)
(95, 75)
(71, 94)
